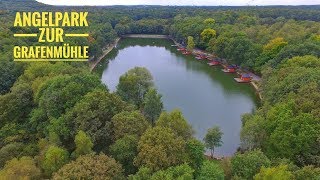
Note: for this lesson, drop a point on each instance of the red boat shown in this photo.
(181, 49)
(186, 53)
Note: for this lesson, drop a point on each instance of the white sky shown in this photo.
(181, 2)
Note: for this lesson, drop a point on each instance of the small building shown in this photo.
(186, 52)
(214, 63)
(230, 69)
(201, 57)
(245, 77)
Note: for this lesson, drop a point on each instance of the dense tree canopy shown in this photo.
(153, 105)
(92, 114)
(83, 144)
(210, 170)
(279, 172)
(248, 164)
(160, 148)
(175, 121)
(54, 159)
(124, 150)
(129, 123)
(134, 84)
(91, 167)
(23, 168)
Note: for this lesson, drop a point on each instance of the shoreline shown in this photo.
(156, 36)
(258, 90)
(108, 49)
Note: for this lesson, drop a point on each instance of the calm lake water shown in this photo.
(204, 94)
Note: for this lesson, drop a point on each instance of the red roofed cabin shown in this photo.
(201, 56)
(214, 63)
(245, 77)
(230, 69)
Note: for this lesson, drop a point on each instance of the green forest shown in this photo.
(59, 121)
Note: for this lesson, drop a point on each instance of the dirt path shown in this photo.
(108, 49)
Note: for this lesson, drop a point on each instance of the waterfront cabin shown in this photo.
(201, 57)
(214, 63)
(186, 53)
(244, 78)
(230, 69)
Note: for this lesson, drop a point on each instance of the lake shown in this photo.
(204, 94)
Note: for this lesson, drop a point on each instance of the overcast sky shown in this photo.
(181, 2)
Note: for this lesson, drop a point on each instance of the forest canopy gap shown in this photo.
(50, 19)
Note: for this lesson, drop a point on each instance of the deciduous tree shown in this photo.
(213, 138)
(153, 105)
(23, 168)
(91, 167)
(210, 170)
(129, 123)
(279, 172)
(83, 144)
(175, 121)
(159, 148)
(190, 44)
(248, 164)
(134, 84)
(54, 159)
(124, 150)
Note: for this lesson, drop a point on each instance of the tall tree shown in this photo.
(195, 151)
(129, 123)
(175, 121)
(153, 105)
(208, 34)
(91, 167)
(213, 138)
(124, 150)
(62, 92)
(92, 114)
(183, 171)
(248, 164)
(54, 159)
(279, 172)
(210, 170)
(23, 168)
(134, 84)
(190, 43)
(160, 148)
(83, 144)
